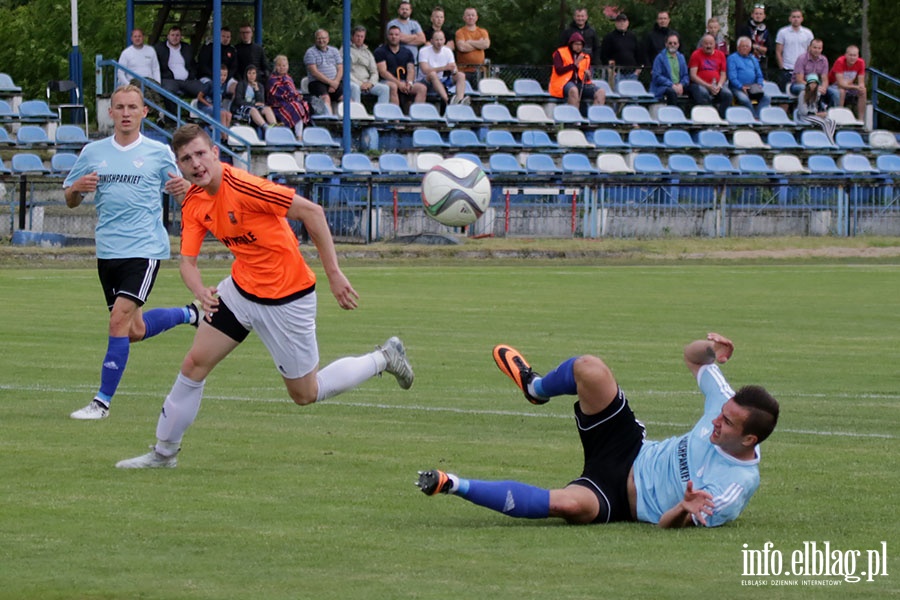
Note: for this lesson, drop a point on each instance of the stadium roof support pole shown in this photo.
(346, 81)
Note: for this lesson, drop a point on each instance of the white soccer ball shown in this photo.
(455, 192)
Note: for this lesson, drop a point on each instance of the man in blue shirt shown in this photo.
(745, 77)
(669, 77)
(705, 477)
(127, 174)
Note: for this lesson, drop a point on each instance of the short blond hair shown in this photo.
(127, 88)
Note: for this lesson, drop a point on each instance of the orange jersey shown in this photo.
(475, 57)
(247, 214)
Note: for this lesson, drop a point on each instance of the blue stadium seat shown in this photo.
(671, 115)
(497, 114)
(634, 114)
(62, 162)
(857, 163)
(461, 113)
(813, 139)
(643, 139)
(26, 162)
(850, 140)
(538, 139)
(5, 140)
(603, 115)
(282, 137)
(502, 162)
(425, 113)
(7, 86)
(782, 140)
(32, 135)
(71, 136)
(355, 162)
(611, 95)
(541, 164)
(740, 116)
(753, 164)
(718, 163)
(7, 114)
(684, 163)
(679, 139)
(530, 88)
(634, 91)
(36, 111)
(649, 164)
(500, 138)
(823, 165)
(776, 94)
(465, 138)
(316, 137)
(711, 139)
(774, 115)
(428, 138)
(390, 162)
(3, 168)
(888, 163)
(472, 158)
(318, 162)
(610, 139)
(388, 112)
(576, 163)
(566, 114)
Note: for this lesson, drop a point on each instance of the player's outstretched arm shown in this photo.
(190, 274)
(715, 348)
(313, 217)
(696, 504)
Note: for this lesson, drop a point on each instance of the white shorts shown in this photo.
(287, 330)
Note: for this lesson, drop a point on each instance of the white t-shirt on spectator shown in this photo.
(435, 60)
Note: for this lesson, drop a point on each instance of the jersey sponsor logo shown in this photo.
(120, 178)
(683, 471)
(239, 240)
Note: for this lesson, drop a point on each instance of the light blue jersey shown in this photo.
(662, 469)
(128, 196)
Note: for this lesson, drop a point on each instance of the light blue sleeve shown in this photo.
(715, 388)
(83, 165)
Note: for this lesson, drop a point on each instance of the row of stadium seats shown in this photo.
(70, 137)
(27, 163)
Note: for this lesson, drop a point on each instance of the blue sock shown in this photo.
(558, 382)
(163, 319)
(113, 366)
(508, 497)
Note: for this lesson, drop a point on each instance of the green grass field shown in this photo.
(272, 501)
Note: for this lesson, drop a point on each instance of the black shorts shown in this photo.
(317, 88)
(611, 440)
(129, 277)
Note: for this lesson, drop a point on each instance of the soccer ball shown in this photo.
(455, 192)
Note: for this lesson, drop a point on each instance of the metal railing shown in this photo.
(885, 99)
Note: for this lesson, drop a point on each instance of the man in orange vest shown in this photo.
(571, 75)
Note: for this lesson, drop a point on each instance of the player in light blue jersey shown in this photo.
(705, 477)
(127, 174)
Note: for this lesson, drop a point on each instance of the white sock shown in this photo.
(178, 412)
(347, 373)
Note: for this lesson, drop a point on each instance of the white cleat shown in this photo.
(92, 412)
(151, 460)
(397, 365)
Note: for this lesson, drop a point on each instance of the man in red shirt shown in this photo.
(271, 290)
(708, 68)
(847, 79)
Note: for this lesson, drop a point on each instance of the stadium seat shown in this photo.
(423, 112)
(282, 163)
(740, 116)
(426, 160)
(679, 139)
(7, 114)
(530, 88)
(502, 162)
(281, 137)
(572, 138)
(71, 136)
(707, 115)
(26, 162)
(856, 163)
(388, 112)
(775, 116)
(390, 162)
(684, 163)
(500, 138)
(472, 158)
(4, 170)
(358, 111)
(541, 164)
(465, 138)
(537, 139)
(649, 164)
(823, 165)
(32, 135)
(36, 111)
(882, 139)
(603, 115)
(814, 139)
(634, 114)
(643, 139)
(776, 94)
(428, 138)
(888, 163)
(711, 139)
(358, 163)
(461, 113)
(576, 163)
(320, 163)
(610, 139)
(62, 162)
(7, 86)
(245, 133)
(782, 140)
(788, 164)
(671, 115)
(532, 114)
(5, 140)
(718, 164)
(850, 140)
(492, 87)
(317, 137)
(611, 95)
(746, 139)
(753, 164)
(631, 90)
(844, 117)
(566, 114)
(612, 164)
(497, 114)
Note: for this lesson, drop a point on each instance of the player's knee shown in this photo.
(302, 397)
(591, 368)
(572, 510)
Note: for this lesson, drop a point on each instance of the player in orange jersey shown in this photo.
(271, 289)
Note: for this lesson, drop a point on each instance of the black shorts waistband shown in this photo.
(274, 301)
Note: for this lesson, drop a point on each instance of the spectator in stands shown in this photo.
(714, 28)
(759, 34)
(249, 104)
(655, 40)
(228, 59)
(791, 42)
(363, 70)
(848, 80)
(177, 67)
(325, 66)
(287, 103)
(471, 42)
(139, 59)
(250, 53)
(205, 102)
(397, 69)
(811, 109)
(412, 36)
(813, 61)
(670, 77)
(438, 71)
(570, 78)
(708, 70)
(581, 26)
(620, 49)
(745, 77)
(438, 23)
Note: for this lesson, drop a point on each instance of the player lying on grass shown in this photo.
(705, 477)
(271, 289)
